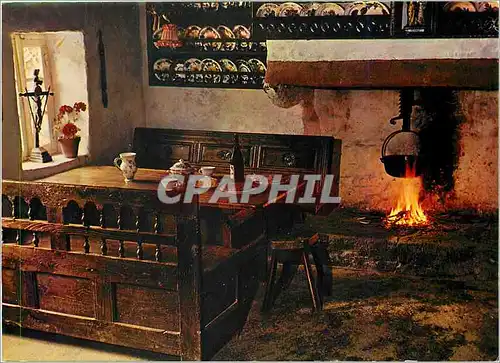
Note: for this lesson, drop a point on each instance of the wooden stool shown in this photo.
(289, 252)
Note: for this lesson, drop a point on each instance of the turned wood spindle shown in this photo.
(157, 224)
(13, 206)
(158, 253)
(36, 239)
(139, 251)
(102, 222)
(138, 222)
(86, 224)
(13, 214)
(121, 248)
(119, 220)
(104, 247)
(32, 214)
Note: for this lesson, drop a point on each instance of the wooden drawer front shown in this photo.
(163, 155)
(221, 154)
(303, 158)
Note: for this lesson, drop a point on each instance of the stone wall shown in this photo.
(359, 118)
(111, 128)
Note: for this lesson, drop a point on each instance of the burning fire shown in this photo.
(408, 210)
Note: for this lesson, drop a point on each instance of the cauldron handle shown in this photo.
(389, 138)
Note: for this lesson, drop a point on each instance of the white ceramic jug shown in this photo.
(126, 163)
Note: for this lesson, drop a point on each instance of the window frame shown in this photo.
(21, 40)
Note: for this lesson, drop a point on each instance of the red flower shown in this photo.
(68, 109)
(80, 106)
(69, 130)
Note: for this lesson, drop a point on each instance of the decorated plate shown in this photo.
(367, 8)
(257, 66)
(241, 32)
(192, 31)
(483, 6)
(330, 9)
(162, 69)
(267, 10)
(210, 33)
(179, 72)
(462, 6)
(243, 66)
(209, 65)
(213, 5)
(228, 66)
(289, 9)
(192, 65)
(243, 69)
(311, 9)
(226, 33)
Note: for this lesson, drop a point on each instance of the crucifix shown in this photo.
(39, 98)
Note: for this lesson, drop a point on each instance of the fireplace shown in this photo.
(455, 114)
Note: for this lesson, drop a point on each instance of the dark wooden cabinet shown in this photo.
(263, 153)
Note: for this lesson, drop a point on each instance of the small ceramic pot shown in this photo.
(69, 147)
(182, 167)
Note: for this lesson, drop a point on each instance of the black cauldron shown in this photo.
(401, 166)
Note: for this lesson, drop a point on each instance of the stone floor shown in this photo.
(426, 295)
(371, 316)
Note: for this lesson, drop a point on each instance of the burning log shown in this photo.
(408, 210)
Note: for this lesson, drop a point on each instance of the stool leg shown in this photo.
(285, 279)
(270, 282)
(310, 280)
(319, 273)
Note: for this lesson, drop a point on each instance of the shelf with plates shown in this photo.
(229, 38)
(322, 20)
(222, 79)
(230, 72)
(215, 47)
(204, 45)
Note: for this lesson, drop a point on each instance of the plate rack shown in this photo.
(235, 51)
(435, 23)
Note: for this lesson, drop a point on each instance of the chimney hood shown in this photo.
(384, 63)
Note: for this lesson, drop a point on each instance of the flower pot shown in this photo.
(69, 147)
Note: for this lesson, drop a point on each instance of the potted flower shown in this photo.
(64, 124)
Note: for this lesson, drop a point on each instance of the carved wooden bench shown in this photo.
(115, 265)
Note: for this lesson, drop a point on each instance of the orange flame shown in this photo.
(408, 210)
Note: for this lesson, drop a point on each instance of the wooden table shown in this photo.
(149, 179)
(136, 284)
(215, 217)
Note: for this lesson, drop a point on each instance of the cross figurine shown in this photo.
(39, 98)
